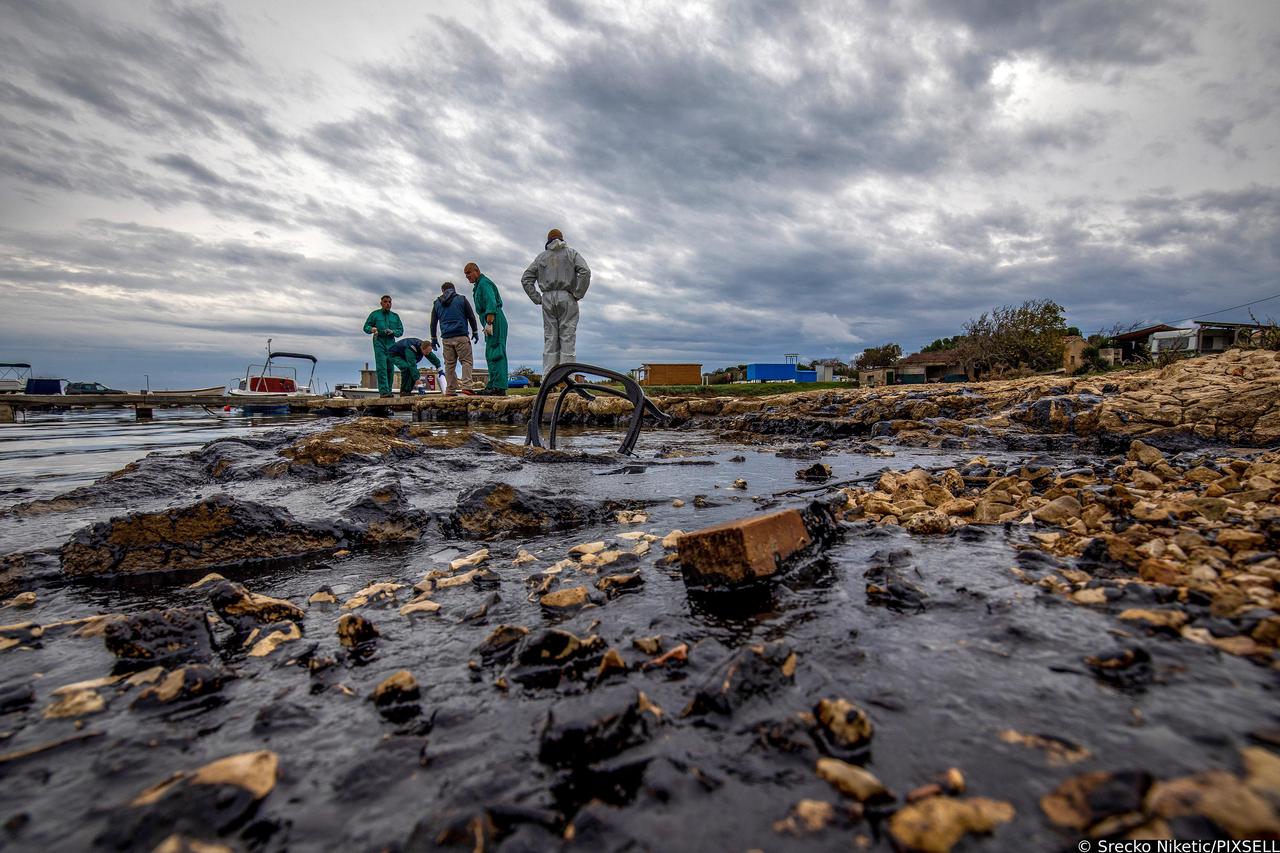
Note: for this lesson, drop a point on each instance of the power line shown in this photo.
(1234, 307)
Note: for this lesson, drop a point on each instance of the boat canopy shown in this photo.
(20, 364)
(310, 358)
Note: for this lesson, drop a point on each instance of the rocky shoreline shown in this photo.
(1228, 399)
(1053, 614)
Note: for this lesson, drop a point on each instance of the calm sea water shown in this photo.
(50, 452)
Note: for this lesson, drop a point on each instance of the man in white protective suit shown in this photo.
(557, 279)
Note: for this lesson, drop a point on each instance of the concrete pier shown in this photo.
(144, 405)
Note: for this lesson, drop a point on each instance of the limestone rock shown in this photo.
(935, 824)
(497, 509)
(845, 728)
(613, 584)
(75, 703)
(928, 522)
(397, 688)
(815, 473)
(502, 640)
(244, 609)
(748, 673)
(355, 630)
(852, 781)
(354, 440)
(217, 531)
(1060, 512)
(1239, 808)
(807, 817)
(160, 637)
(376, 593)
(420, 604)
(201, 803)
(182, 684)
(1085, 800)
(587, 729)
(570, 598)
(275, 639)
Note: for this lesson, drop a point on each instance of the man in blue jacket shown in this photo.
(404, 356)
(452, 312)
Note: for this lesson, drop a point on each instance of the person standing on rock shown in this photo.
(489, 306)
(385, 326)
(452, 313)
(404, 356)
(563, 277)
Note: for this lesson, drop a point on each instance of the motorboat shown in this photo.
(14, 376)
(354, 392)
(273, 380)
(211, 391)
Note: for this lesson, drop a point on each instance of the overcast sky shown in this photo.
(180, 181)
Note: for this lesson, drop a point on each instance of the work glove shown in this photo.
(475, 338)
(537, 299)
(488, 330)
(434, 344)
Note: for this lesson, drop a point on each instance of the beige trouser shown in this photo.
(457, 350)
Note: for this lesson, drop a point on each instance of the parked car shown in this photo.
(90, 388)
(518, 382)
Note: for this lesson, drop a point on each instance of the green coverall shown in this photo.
(407, 364)
(389, 328)
(486, 299)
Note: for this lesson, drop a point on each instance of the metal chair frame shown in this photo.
(563, 374)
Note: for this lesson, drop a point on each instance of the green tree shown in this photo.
(1027, 335)
(881, 356)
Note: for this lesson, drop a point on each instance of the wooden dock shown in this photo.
(144, 405)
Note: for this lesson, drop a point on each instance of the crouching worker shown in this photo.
(404, 356)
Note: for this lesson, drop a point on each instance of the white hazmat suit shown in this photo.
(556, 280)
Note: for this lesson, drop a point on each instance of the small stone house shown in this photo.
(939, 366)
(876, 376)
(1073, 347)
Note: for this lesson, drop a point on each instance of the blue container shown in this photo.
(806, 376)
(771, 372)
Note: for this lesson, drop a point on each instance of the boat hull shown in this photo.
(211, 391)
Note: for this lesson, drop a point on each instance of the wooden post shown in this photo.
(6, 414)
(142, 413)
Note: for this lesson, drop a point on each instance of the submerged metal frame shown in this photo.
(563, 373)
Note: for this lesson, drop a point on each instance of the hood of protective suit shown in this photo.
(555, 245)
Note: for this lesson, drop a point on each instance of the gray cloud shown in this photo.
(773, 179)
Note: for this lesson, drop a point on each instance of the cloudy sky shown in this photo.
(180, 181)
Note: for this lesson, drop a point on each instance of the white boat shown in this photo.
(13, 377)
(273, 380)
(354, 392)
(211, 391)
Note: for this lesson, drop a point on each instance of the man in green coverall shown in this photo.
(385, 326)
(404, 356)
(488, 305)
